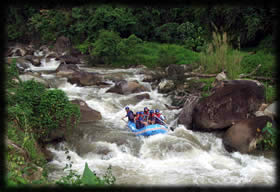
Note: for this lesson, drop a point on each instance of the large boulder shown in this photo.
(175, 72)
(166, 86)
(244, 135)
(231, 102)
(62, 45)
(127, 87)
(76, 76)
(64, 70)
(115, 77)
(87, 114)
(142, 96)
(83, 78)
(185, 116)
(36, 61)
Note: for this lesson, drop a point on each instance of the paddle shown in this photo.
(171, 128)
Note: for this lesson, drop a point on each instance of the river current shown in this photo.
(182, 157)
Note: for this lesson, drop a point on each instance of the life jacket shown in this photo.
(146, 115)
(158, 118)
(130, 116)
(138, 123)
(152, 116)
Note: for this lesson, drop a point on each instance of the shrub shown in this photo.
(267, 60)
(106, 46)
(269, 134)
(167, 33)
(128, 49)
(191, 36)
(53, 111)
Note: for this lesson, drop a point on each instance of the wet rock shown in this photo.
(185, 116)
(22, 64)
(115, 77)
(36, 61)
(231, 102)
(68, 59)
(27, 77)
(127, 87)
(87, 114)
(52, 55)
(142, 96)
(65, 70)
(76, 76)
(83, 78)
(166, 86)
(244, 135)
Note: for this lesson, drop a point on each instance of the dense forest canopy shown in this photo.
(245, 26)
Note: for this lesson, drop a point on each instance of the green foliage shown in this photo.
(106, 46)
(88, 178)
(29, 93)
(50, 24)
(166, 57)
(167, 32)
(85, 47)
(153, 54)
(267, 44)
(11, 74)
(267, 60)
(191, 36)
(128, 49)
(53, 111)
(269, 139)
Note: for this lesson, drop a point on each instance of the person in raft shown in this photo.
(159, 118)
(139, 121)
(129, 114)
(151, 119)
(146, 114)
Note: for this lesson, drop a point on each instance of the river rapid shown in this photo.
(182, 157)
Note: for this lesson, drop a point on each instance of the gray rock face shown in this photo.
(231, 102)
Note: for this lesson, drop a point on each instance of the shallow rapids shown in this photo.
(180, 158)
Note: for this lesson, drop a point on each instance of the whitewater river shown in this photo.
(182, 157)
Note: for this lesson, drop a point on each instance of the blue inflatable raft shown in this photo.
(148, 130)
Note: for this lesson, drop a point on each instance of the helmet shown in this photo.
(126, 108)
(157, 111)
(145, 108)
(137, 113)
(151, 111)
(141, 112)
